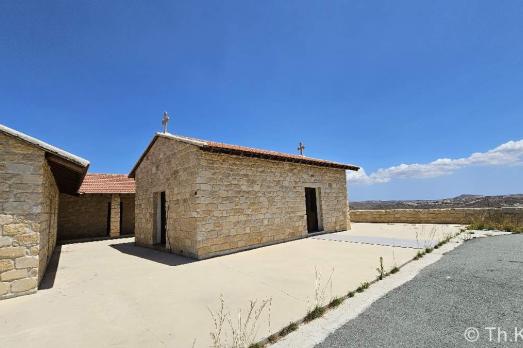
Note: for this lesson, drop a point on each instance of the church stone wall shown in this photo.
(245, 202)
(169, 166)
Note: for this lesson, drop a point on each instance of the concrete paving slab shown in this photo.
(112, 293)
(400, 243)
(403, 231)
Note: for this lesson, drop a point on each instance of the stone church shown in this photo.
(202, 199)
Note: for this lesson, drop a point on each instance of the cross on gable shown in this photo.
(301, 148)
(165, 121)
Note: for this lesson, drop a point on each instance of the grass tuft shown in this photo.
(314, 314)
(419, 255)
(362, 287)
(287, 330)
(256, 345)
(350, 294)
(394, 270)
(274, 338)
(335, 302)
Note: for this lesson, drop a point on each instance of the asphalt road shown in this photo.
(477, 285)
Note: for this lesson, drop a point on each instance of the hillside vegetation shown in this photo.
(463, 201)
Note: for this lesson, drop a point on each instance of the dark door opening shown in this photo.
(163, 238)
(311, 209)
(108, 228)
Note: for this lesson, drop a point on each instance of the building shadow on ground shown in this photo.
(92, 239)
(162, 257)
(52, 267)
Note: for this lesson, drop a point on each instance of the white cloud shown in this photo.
(510, 153)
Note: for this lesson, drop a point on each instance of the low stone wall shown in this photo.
(83, 216)
(438, 216)
(87, 216)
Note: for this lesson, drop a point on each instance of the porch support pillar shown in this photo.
(115, 215)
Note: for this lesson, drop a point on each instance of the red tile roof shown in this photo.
(252, 152)
(212, 146)
(107, 183)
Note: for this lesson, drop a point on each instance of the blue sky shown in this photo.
(374, 83)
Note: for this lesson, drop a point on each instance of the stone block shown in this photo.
(34, 250)
(24, 285)
(5, 196)
(15, 229)
(27, 239)
(5, 219)
(4, 288)
(27, 196)
(6, 265)
(13, 275)
(26, 262)
(17, 168)
(22, 208)
(5, 241)
(11, 252)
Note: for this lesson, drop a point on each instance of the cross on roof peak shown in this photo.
(165, 121)
(301, 148)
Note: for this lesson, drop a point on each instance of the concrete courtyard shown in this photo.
(112, 293)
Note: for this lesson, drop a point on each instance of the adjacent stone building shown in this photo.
(103, 207)
(32, 175)
(202, 198)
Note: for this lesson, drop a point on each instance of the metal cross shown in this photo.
(165, 121)
(301, 148)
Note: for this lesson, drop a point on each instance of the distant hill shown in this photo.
(462, 201)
